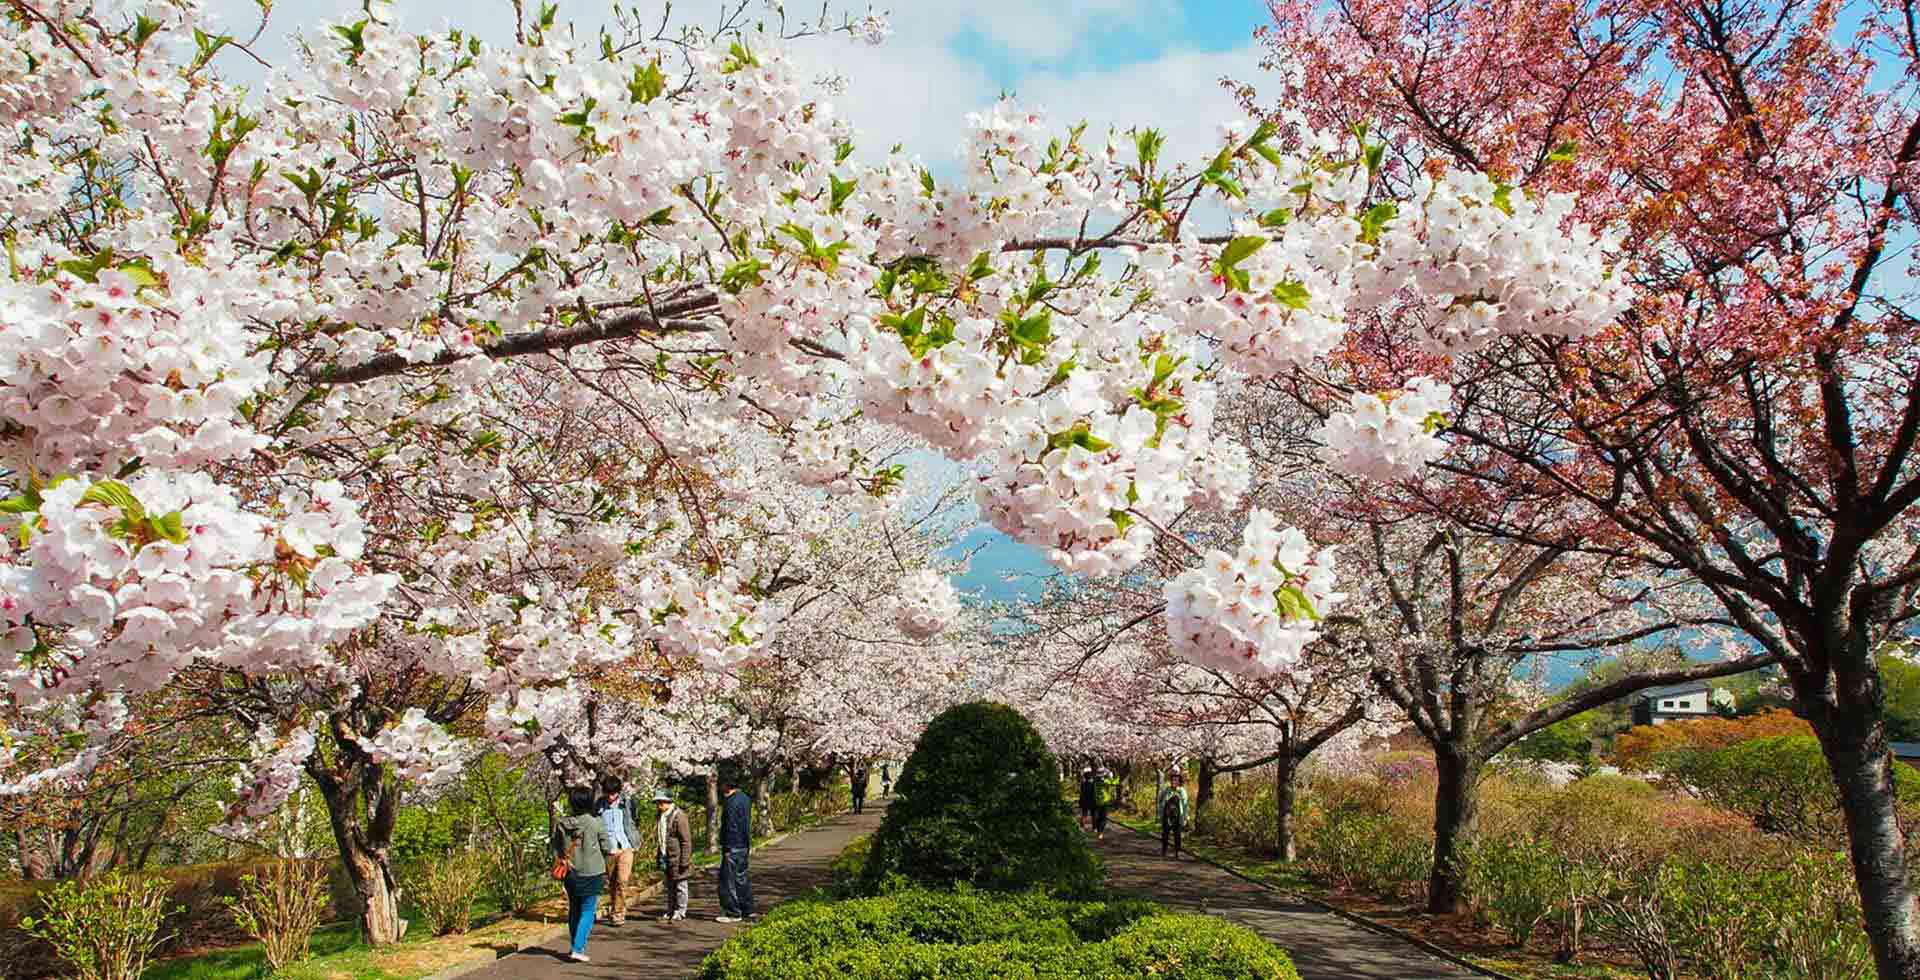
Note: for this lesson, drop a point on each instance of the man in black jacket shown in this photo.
(736, 841)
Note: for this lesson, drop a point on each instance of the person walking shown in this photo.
(580, 840)
(886, 779)
(1088, 789)
(675, 855)
(1172, 806)
(616, 813)
(1106, 794)
(736, 842)
(857, 781)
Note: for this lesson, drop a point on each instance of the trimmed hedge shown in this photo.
(980, 803)
(968, 935)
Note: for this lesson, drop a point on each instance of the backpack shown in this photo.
(1170, 808)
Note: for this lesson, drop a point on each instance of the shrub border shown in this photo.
(1382, 928)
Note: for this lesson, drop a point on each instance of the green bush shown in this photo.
(980, 803)
(1514, 880)
(104, 929)
(444, 890)
(1783, 785)
(967, 935)
(849, 863)
(1354, 847)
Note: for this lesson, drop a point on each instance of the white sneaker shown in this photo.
(679, 916)
(578, 957)
(726, 918)
(666, 918)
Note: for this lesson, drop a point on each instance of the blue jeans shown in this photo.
(736, 894)
(583, 897)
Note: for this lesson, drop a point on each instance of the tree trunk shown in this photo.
(1453, 806)
(1286, 773)
(763, 814)
(1203, 791)
(361, 809)
(1853, 737)
(713, 812)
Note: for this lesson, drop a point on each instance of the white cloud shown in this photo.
(914, 90)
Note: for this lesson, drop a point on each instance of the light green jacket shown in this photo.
(1179, 792)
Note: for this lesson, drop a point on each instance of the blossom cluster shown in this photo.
(1388, 435)
(1478, 260)
(927, 604)
(269, 780)
(1253, 611)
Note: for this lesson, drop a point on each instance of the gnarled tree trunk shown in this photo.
(362, 803)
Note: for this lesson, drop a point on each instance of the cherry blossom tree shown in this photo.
(1751, 419)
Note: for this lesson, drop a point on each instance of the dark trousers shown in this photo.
(1099, 820)
(1173, 828)
(736, 893)
(859, 799)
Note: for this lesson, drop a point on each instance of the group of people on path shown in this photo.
(1100, 792)
(595, 844)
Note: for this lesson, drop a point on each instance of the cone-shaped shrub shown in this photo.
(980, 802)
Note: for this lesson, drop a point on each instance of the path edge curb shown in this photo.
(1382, 928)
(478, 963)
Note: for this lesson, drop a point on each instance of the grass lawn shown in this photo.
(1463, 939)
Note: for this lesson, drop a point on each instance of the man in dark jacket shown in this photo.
(736, 841)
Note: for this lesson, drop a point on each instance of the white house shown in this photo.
(1659, 705)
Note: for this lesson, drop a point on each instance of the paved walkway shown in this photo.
(1323, 945)
(648, 949)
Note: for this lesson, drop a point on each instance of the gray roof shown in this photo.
(1673, 689)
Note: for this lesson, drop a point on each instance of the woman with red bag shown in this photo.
(581, 842)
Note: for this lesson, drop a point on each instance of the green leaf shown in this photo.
(741, 274)
(1238, 250)
(664, 216)
(1276, 218)
(1374, 155)
(1147, 143)
(926, 181)
(1121, 519)
(1036, 330)
(1434, 422)
(1375, 220)
(1293, 604)
(19, 505)
(1292, 293)
(648, 83)
(839, 191)
(1503, 198)
(169, 527)
(1564, 152)
(115, 494)
(979, 268)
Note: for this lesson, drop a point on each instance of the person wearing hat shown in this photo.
(1172, 806)
(675, 855)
